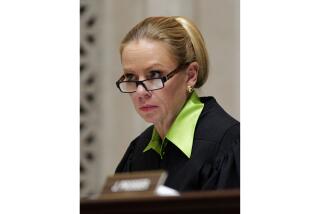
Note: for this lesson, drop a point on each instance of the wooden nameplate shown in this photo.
(135, 184)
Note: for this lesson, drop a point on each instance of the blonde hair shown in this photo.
(182, 37)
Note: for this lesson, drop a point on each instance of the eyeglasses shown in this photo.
(130, 86)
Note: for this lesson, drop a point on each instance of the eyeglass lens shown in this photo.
(149, 84)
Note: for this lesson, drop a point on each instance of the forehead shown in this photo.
(145, 53)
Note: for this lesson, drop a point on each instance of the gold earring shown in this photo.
(189, 89)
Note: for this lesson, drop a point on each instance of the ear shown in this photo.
(192, 73)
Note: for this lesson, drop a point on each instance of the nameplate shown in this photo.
(135, 182)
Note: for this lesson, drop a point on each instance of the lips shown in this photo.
(146, 108)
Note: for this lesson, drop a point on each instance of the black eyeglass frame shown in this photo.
(163, 79)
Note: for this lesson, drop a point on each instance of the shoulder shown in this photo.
(214, 122)
(135, 149)
(217, 143)
(141, 141)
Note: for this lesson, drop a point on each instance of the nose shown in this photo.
(142, 92)
(141, 88)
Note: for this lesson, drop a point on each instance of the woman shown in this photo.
(192, 138)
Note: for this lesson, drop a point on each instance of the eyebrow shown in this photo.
(154, 65)
(147, 69)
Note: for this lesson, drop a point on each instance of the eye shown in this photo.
(155, 74)
(129, 77)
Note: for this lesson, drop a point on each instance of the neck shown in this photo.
(164, 125)
(163, 128)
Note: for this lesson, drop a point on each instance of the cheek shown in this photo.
(177, 91)
(173, 97)
(179, 95)
(134, 100)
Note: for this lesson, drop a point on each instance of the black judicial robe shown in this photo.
(215, 157)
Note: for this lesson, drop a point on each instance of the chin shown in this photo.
(149, 118)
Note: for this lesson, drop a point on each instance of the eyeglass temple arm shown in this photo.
(172, 73)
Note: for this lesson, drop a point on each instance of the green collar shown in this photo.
(182, 130)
